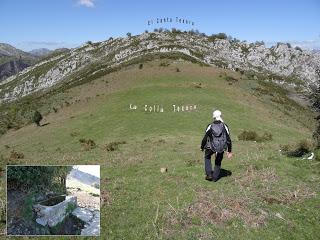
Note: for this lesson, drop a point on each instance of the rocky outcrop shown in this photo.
(280, 63)
(91, 218)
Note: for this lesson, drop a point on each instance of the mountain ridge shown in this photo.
(14, 60)
(281, 63)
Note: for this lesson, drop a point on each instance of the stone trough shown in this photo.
(54, 210)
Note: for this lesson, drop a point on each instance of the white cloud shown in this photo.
(308, 44)
(86, 3)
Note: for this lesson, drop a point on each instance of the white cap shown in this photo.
(217, 115)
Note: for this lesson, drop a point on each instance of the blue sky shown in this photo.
(30, 24)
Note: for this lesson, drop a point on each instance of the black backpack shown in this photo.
(218, 143)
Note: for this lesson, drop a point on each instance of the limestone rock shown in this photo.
(83, 214)
(163, 170)
(41, 221)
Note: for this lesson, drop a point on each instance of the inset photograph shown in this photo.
(53, 200)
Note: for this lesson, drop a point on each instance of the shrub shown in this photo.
(253, 136)
(36, 177)
(87, 144)
(177, 70)
(297, 150)
(164, 64)
(94, 194)
(74, 134)
(248, 135)
(231, 80)
(70, 208)
(27, 207)
(140, 65)
(265, 137)
(316, 136)
(317, 154)
(213, 37)
(16, 155)
(37, 117)
(114, 146)
(174, 30)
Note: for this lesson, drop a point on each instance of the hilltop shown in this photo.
(282, 63)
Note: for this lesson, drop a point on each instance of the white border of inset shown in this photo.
(44, 165)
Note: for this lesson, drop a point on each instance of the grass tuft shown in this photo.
(87, 144)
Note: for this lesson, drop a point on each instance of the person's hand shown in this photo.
(201, 149)
(229, 155)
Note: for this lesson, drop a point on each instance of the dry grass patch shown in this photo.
(113, 146)
(14, 155)
(288, 196)
(252, 175)
(217, 209)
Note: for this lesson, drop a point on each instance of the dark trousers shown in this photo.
(207, 161)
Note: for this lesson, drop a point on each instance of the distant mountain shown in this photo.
(40, 52)
(13, 60)
(83, 177)
(12, 67)
(10, 51)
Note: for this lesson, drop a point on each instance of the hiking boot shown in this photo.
(209, 178)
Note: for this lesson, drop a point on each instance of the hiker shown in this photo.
(215, 141)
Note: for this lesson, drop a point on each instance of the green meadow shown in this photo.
(267, 196)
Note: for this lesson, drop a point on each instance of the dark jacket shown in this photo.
(208, 137)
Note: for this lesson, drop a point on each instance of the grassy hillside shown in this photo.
(267, 196)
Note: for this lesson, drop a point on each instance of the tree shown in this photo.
(213, 37)
(174, 30)
(37, 117)
(221, 36)
(129, 35)
(38, 177)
